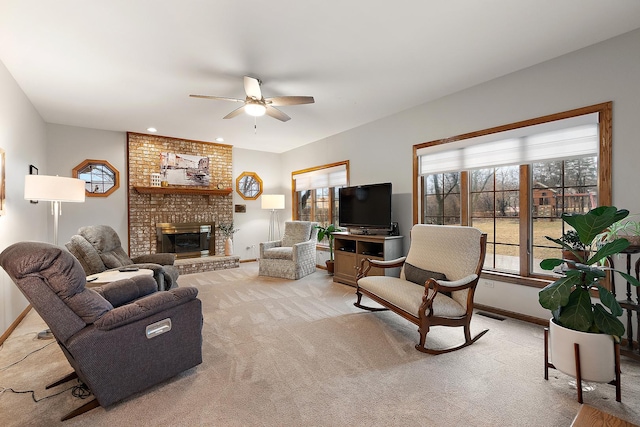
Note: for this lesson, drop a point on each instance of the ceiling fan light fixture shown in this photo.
(255, 110)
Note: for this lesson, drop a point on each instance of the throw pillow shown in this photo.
(420, 276)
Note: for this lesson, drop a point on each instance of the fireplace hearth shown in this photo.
(186, 240)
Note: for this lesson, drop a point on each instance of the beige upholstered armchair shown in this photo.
(437, 281)
(98, 248)
(292, 257)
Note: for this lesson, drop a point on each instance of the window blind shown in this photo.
(335, 176)
(542, 143)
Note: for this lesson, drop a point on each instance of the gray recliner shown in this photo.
(98, 248)
(121, 338)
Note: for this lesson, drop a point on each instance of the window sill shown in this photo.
(515, 279)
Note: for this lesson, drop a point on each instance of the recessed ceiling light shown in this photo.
(152, 129)
(219, 139)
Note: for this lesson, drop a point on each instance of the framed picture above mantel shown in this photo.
(184, 169)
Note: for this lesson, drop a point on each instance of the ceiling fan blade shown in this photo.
(278, 101)
(221, 98)
(252, 88)
(234, 113)
(276, 114)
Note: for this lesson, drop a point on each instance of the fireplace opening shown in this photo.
(186, 240)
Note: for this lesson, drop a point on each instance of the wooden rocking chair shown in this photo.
(437, 281)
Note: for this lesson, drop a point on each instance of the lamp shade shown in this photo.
(272, 201)
(254, 109)
(53, 188)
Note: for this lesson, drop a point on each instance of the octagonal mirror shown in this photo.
(249, 185)
(100, 177)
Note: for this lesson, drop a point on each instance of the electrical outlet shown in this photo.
(488, 283)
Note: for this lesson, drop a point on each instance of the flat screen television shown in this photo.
(365, 206)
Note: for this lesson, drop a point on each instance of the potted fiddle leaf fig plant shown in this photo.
(575, 250)
(328, 233)
(575, 318)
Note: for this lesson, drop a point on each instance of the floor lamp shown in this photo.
(273, 202)
(54, 189)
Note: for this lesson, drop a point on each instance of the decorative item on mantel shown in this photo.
(227, 230)
(155, 179)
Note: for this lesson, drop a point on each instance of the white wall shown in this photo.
(381, 151)
(254, 224)
(70, 146)
(22, 137)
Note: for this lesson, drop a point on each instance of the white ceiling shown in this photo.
(126, 65)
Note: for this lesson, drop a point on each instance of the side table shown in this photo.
(113, 275)
(629, 304)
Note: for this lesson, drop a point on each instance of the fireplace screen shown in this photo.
(186, 240)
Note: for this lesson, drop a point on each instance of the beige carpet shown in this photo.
(298, 353)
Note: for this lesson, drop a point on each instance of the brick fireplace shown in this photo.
(186, 240)
(179, 204)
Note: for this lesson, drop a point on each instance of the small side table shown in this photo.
(113, 275)
(628, 303)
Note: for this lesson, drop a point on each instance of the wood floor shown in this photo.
(592, 417)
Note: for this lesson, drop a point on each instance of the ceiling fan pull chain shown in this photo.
(255, 125)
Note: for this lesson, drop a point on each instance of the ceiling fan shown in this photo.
(256, 105)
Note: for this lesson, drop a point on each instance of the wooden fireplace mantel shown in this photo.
(201, 191)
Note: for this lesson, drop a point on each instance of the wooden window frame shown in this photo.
(295, 213)
(604, 111)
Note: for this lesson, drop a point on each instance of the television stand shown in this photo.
(351, 249)
(369, 231)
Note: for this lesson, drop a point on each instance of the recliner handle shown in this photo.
(158, 328)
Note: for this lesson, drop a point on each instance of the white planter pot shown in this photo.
(228, 247)
(597, 353)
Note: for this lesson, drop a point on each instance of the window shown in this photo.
(514, 183)
(100, 177)
(494, 208)
(249, 185)
(315, 192)
(442, 198)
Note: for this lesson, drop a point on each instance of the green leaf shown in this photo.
(606, 322)
(628, 278)
(577, 314)
(609, 301)
(609, 249)
(594, 222)
(550, 263)
(557, 293)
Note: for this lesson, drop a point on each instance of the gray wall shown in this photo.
(22, 137)
(254, 224)
(68, 147)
